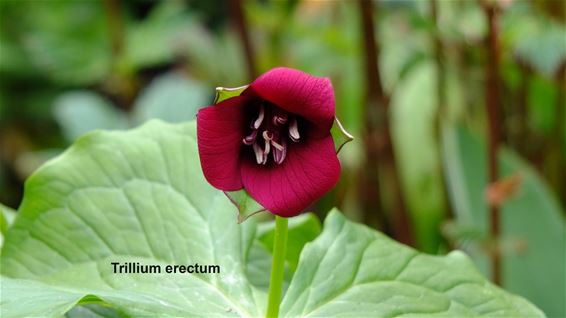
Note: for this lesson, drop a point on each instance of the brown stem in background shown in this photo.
(237, 16)
(122, 86)
(492, 104)
(441, 99)
(113, 11)
(380, 163)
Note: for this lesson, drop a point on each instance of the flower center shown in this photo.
(270, 131)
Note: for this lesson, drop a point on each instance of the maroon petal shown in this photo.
(220, 130)
(309, 170)
(297, 92)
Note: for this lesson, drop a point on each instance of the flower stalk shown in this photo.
(277, 267)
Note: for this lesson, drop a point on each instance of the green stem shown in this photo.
(277, 267)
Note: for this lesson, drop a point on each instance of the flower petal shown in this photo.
(220, 130)
(309, 170)
(297, 92)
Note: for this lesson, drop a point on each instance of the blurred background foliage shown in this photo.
(68, 67)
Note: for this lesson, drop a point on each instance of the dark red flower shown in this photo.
(273, 140)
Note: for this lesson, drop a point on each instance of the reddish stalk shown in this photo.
(115, 25)
(492, 104)
(237, 16)
(379, 156)
(122, 86)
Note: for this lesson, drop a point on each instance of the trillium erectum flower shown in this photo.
(273, 141)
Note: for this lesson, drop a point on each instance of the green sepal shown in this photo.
(245, 204)
(223, 93)
(340, 135)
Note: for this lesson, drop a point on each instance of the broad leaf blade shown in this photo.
(41, 300)
(136, 196)
(351, 270)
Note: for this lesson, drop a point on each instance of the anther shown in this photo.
(259, 119)
(258, 153)
(294, 130)
(279, 120)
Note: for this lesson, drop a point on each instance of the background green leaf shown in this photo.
(164, 28)
(172, 97)
(526, 268)
(7, 217)
(79, 112)
(67, 40)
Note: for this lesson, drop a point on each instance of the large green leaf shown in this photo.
(136, 196)
(26, 298)
(531, 219)
(353, 271)
(140, 196)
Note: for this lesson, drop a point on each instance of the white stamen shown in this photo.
(258, 153)
(294, 130)
(259, 119)
(280, 154)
